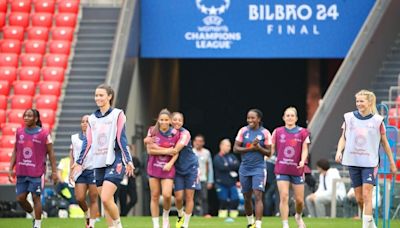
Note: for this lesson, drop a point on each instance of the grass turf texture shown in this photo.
(195, 222)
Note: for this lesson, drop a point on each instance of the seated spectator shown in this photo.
(317, 202)
(64, 188)
(226, 167)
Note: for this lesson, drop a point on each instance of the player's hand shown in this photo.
(129, 170)
(167, 167)
(76, 168)
(301, 165)
(393, 168)
(54, 177)
(173, 151)
(209, 186)
(338, 157)
(11, 176)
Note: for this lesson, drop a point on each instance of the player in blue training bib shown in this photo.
(253, 142)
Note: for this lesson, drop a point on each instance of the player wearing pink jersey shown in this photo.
(363, 132)
(290, 144)
(33, 144)
(160, 142)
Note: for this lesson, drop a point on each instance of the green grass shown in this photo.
(196, 222)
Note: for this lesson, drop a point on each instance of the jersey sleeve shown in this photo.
(239, 136)
(122, 140)
(344, 125)
(49, 140)
(382, 129)
(184, 138)
(267, 137)
(273, 137)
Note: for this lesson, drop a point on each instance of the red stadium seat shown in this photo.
(3, 102)
(68, 6)
(23, 6)
(47, 116)
(8, 141)
(8, 74)
(10, 46)
(34, 60)
(3, 116)
(13, 33)
(35, 47)
(38, 33)
(29, 74)
(6, 153)
(66, 20)
(4, 88)
(42, 20)
(50, 88)
(44, 6)
(53, 74)
(21, 102)
(16, 116)
(24, 88)
(56, 60)
(47, 102)
(19, 19)
(2, 19)
(60, 47)
(62, 33)
(3, 6)
(10, 128)
(8, 59)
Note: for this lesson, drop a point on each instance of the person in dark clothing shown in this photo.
(271, 196)
(128, 187)
(226, 166)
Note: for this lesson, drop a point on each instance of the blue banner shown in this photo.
(250, 28)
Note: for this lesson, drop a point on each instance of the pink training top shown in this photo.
(156, 163)
(289, 147)
(31, 150)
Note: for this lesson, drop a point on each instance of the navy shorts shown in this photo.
(224, 192)
(29, 184)
(255, 182)
(86, 177)
(190, 180)
(290, 178)
(362, 175)
(113, 173)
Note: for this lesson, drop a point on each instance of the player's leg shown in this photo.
(107, 198)
(258, 186)
(155, 190)
(283, 187)
(222, 194)
(298, 189)
(246, 183)
(166, 189)
(233, 202)
(80, 196)
(94, 207)
(368, 177)
(178, 193)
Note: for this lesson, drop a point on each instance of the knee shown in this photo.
(258, 197)
(21, 198)
(80, 198)
(167, 197)
(366, 196)
(284, 198)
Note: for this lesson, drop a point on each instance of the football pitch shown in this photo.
(196, 222)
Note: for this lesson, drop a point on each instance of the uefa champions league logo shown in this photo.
(213, 11)
(213, 34)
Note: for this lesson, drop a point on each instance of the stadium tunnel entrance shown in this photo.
(215, 95)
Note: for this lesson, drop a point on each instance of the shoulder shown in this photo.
(348, 115)
(243, 129)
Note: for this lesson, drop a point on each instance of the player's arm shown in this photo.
(12, 164)
(266, 148)
(52, 158)
(340, 148)
(155, 150)
(184, 139)
(388, 150)
(304, 153)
